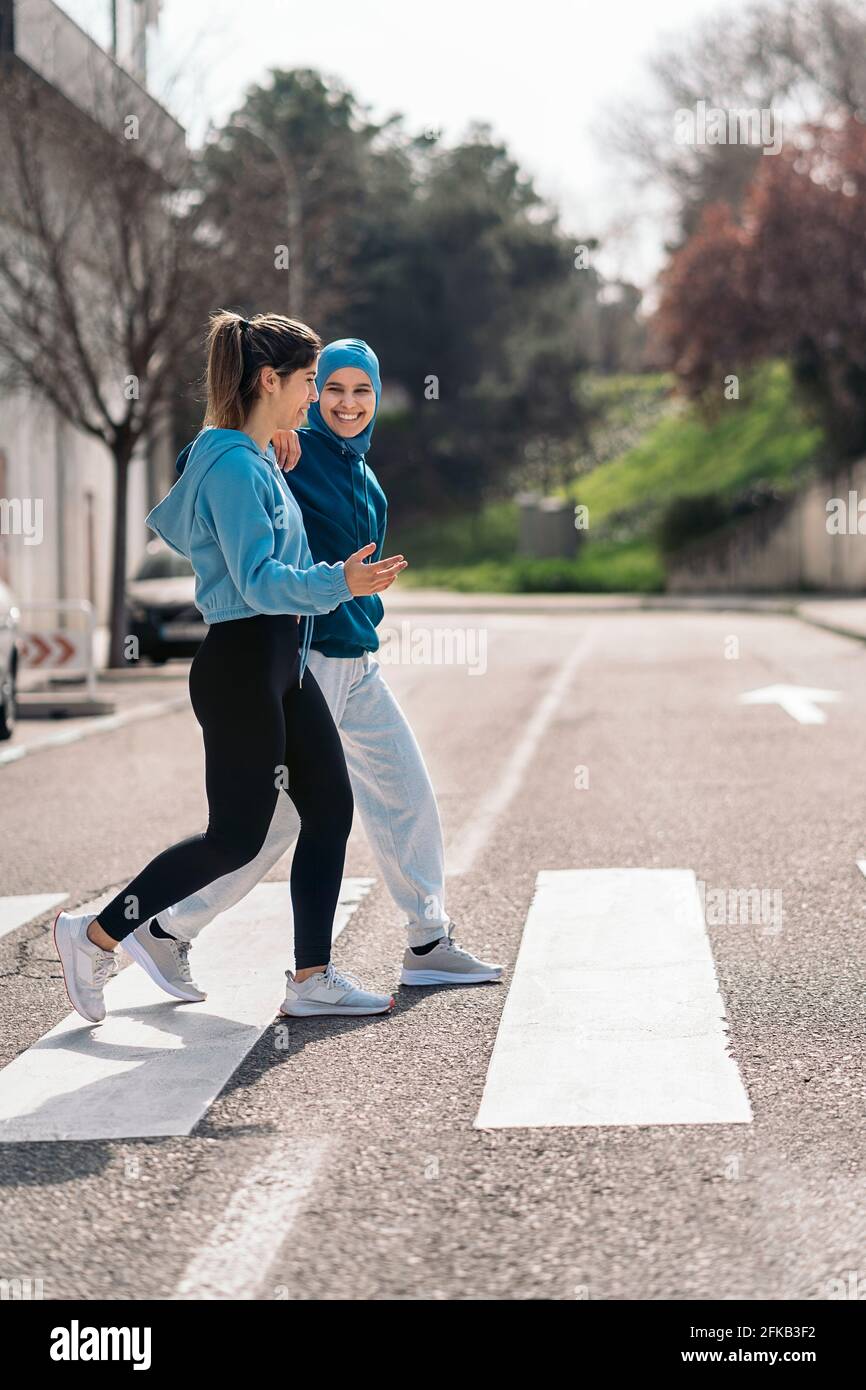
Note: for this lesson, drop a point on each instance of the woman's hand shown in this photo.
(287, 447)
(369, 579)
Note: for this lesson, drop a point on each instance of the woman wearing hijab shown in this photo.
(344, 508)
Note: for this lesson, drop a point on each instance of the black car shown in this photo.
(160, 606)
(9, 616)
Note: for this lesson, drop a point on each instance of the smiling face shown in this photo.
(348, 401)
(289, 396)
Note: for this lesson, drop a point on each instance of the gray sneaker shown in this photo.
(86, 967)
(447, 964)
(166, 962)
(331, 991)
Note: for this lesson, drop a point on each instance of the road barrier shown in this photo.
(60, 650)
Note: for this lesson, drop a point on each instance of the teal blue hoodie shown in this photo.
(232, 515)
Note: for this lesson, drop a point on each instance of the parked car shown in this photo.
(160, 605)
(9, 618)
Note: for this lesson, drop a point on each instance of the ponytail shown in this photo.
(239, 348)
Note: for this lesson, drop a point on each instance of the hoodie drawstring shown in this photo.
(367, 502)
(354, 499)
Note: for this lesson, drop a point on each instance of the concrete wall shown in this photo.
(789, 545)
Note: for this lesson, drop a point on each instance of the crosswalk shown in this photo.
(613, 1016)
(155, 1065)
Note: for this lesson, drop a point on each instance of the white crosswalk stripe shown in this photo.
(614, 1015)
(17, 911)
(154, 1066)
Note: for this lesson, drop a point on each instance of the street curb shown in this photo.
(98, 725)
(447, 601)
(838, 631)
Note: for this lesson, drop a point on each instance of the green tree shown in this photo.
(473, 298)
(283, 180)
(444, 258)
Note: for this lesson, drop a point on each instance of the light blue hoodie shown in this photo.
(232, 515)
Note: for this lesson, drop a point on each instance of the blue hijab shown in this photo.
(346, 352)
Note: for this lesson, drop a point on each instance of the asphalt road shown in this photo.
(362, 1131)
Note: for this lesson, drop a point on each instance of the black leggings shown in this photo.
(263, 733)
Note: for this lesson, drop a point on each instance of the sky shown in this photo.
(545, 74)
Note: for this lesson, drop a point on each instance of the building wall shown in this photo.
(71, 474)
(52, 44)
(42, 457)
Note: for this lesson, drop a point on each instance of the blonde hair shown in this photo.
(238, 348)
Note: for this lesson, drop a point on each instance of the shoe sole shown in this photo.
(147, 963)
(76, 1004)
(442, 977)
(311, 1010)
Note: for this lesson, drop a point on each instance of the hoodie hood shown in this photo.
(172, 518)
(346, 352)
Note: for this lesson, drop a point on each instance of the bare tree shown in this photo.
(801, 59)
(102, 268)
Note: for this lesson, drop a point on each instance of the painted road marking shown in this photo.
(99, 724)
(614, 1015)
(23, 907)
(799, 701)
(483, 820)
(234, 1260)
(154, 1066)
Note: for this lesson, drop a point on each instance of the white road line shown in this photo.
(154, 1066)
(234, 1260)
(99, 724)
(614, 1016)
(485, 816)
(23, 907)
(861, 865)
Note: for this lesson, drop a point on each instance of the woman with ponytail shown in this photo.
(265, 724)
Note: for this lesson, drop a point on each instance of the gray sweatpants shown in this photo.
(393, 794)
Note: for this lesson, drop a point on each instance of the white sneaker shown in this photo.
(86, 967)
(331, 992)
(166, 962)
(447, 964)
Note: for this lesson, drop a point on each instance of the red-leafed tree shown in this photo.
(784, 276)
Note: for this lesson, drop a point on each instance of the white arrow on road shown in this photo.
(800, 701)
